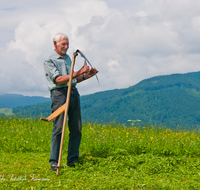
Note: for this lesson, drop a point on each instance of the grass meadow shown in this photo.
(112, 157)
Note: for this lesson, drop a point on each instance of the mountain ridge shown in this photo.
(13, 100)
(164, 100)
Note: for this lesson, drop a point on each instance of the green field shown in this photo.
(111, 157)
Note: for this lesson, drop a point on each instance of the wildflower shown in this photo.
(26, 141)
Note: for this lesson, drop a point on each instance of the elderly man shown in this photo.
(57, 72)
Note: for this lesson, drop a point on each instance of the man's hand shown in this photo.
(91, 73)
(88, 73)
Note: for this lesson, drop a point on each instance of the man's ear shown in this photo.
(55, 44)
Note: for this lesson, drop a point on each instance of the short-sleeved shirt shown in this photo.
(54, 66)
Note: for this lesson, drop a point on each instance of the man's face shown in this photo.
(62, 47)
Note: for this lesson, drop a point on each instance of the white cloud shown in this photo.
(125, 44)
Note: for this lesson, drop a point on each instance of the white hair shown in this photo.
(57, 37)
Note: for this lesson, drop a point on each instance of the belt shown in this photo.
(65, 88)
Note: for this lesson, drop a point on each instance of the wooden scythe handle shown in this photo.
(66, 111)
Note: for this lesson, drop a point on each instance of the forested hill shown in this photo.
(164, 100)
(13, 100)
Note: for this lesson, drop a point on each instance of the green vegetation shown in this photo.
(36, 110)
(6, 112)
(112, 157)
(164, 100)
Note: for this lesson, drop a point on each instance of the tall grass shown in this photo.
(111, 156)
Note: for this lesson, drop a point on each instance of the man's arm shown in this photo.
(60, 80)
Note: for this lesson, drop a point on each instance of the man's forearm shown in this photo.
(81, 78)
(60, 80)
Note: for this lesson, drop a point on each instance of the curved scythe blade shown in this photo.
(82, 55)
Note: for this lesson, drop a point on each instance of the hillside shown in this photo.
(14, 100)
(164, 100)
(170, 100)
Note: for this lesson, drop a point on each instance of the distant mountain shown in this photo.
(169, 100)
(14, 100)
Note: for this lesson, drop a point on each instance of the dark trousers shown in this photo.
(58, 98)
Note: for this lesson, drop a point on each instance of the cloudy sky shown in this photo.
(126, 40)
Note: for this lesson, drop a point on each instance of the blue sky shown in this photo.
(126, 40)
